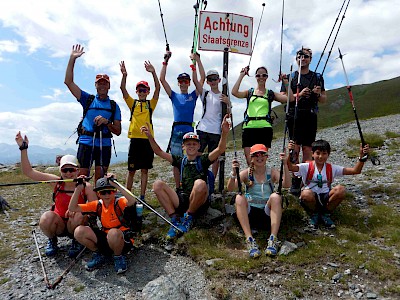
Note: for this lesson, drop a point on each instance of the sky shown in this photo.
(36, 39)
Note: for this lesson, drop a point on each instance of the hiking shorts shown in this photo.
(140, 155)
(184, 205)
(305, 129)
(252, 136)
(88, 154)
(209, 140)
(259, 218)
(102, 242)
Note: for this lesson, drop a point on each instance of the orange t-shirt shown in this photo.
(108, 218)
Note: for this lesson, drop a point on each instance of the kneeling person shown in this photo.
(113, 238)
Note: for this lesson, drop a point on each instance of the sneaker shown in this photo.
(51, 248)
(326, 219)
(97, 260)
(120, 264)
(173, 232)
(272, 247)
(252, 247)
(75, 249)
(313, 222)
(186, 222)
(295, 189)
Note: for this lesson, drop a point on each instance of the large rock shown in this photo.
(162, 288)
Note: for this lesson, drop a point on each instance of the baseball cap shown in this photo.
(68, 160)
(143, 83)
(258, 148)
(212, 72)
(103, 184)
(183, 76)
(102, 76)
(190, 136)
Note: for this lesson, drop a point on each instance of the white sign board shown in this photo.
(219, 30)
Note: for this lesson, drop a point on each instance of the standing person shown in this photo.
(303, 130)
(183, 105)
(191, 198)
(257, 124)
(58, 221)
(259, 205)
(209, 126)
(318, 197)
(140, 155)
(102, 118)
(113, 238)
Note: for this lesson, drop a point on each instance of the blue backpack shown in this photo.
(199, 167)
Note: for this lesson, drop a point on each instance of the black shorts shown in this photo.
(258, 219)
(305, 129)
(184, 205)
(209, 140)
(103, 246)
(252, 136)
(88, 154)
(140, 155)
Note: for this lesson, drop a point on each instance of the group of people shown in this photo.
(74, 197)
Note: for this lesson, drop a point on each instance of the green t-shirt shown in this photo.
(259, 106)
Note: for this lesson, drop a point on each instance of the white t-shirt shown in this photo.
(211, 121)
(337, 171)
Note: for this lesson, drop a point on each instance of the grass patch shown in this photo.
(391, 134)
(79, 288)
(4, 280)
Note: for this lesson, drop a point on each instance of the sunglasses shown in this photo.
(259, 154)
(305, 56)
(102, 76)
(212, 79)
(262, 75)
(66, 170)
(142, 90)
(184, 81)
(106, 192)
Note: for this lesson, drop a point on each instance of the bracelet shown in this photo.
(164, 63)
(23, 146)
(233, 176)
(363, 159)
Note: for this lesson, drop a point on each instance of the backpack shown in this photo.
(270, 97)
(127, 217)
(150, 110)
(310, 173)
(59, 188)
(199, 167)
(80, 130)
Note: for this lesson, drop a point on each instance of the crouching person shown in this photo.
(259, 203)
(318, 197)
(113, 238)
(192, 195)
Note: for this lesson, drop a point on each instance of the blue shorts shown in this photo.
(176, 142)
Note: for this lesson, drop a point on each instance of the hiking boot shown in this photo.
(272, 247)
(313, 222)
(252, 247)
(186, 222)
(120, 264)
(326, 219)
(51, 248)
(172, 232)
(97, 260)
(295, 189)
(75, 249)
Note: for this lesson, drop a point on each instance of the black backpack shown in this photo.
(270, 97)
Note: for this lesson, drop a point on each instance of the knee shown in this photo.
(200, 186)
(114, 234)
(339, 191)
(80, 232)
(307, 196)
(47, 219)
(158, 185)
(240, 201)
(275, 200)
(144, 171)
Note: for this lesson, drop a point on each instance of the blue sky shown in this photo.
(36, 39)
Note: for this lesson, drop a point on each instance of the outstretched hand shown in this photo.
(20, 140)
(245, 71)
(149, 67)
(226, 125)
(123, 68)
(77, 51)
(146, 130)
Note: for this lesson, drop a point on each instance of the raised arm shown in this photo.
(275, 174)
(150, 68)
(197, 84)
(360, 163)
(156, 148)
(125, 93)
(292, 167)
(77, 51)
(235, 89)
(163, 72)
(225, 126)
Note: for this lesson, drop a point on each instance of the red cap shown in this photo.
(258, 148)
(143, 83)
(102, 76)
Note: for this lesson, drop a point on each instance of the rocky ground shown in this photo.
(154, 273)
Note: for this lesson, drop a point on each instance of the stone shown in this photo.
(162, 288)
(287, 248)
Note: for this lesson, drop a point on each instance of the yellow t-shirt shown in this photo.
(140, 115)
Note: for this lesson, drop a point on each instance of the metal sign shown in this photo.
(219, 30)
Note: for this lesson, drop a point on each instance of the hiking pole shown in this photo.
(43, 181)
(59, 278)
(162, 21)
(145, 204)
(280, 60)
(374, 160)
(279, 191)
(255, 39)
(101, 153)
(195, 31)
(46, 279)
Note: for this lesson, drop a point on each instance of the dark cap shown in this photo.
(183, 76)
(103, 184)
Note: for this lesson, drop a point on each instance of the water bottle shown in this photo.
(139, 214)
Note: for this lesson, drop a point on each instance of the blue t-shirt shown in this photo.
(183, 106)
(97, 107)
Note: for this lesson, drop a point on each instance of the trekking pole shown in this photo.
(66, 271)
(145, 204)
(46, 279)
(255, 39)
(374, 160)
(162, 21)
(284, 133)
(101, 152)
(280, 60)
(292, 153)
(194, 44)
(43, 181)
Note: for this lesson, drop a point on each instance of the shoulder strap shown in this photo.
(133, 109)
(183, 163)
(119, 213)
(204, 100)
(113, 109)
(271, 186)
(89, 101)
(56, 190)
(99, 208)
(329, 174)
(150, 110)
(310, 172)
(199, 166)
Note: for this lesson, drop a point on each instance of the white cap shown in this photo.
(212, 72)
(69, 160)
